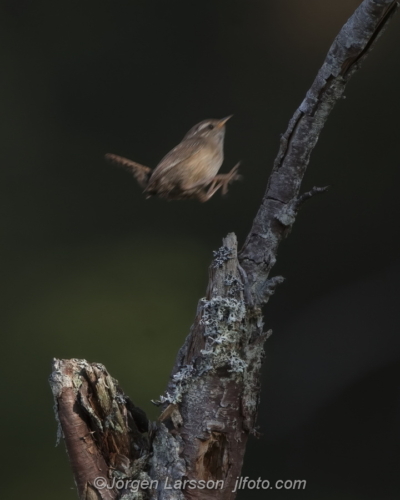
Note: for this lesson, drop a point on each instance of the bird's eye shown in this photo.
(210, 126)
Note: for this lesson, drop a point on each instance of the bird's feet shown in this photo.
(226, 179)
(220, 181)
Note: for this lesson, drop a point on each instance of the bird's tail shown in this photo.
(140, 172)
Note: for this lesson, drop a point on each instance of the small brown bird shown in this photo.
(190, 170)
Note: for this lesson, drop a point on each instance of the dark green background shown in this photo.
(91, 269)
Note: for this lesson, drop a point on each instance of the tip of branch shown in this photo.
(309, 194)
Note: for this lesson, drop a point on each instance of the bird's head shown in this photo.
(209, 128)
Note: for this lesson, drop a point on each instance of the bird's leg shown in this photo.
(206, 195)
(220, 181)
(225, 179)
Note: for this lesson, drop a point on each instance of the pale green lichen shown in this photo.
(222, 318)
(221, 255)
(287, 215)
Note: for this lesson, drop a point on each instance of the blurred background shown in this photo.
(90, 269)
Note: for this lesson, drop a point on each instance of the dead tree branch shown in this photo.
(210, 406)
(280, 204)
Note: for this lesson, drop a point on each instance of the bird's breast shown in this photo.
(204, 164)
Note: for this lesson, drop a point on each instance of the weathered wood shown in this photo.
(105, 434)
(279, 206)
(215, 383)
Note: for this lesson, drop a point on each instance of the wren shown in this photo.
(190, 170)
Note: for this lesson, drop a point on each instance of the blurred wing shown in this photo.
(180, 153)
(139, 172)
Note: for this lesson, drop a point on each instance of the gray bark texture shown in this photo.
(210, 406)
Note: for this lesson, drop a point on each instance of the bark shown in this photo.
(102, 428)
(210, 406)
(281, 201)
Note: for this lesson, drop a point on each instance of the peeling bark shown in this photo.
(102, 429)
(210, 406)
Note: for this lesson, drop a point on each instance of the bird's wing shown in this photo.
(180, 153)
(139, 172)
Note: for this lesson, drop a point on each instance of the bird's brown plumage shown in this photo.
(190, 169)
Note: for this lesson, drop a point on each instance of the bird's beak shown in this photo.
(222, 122)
